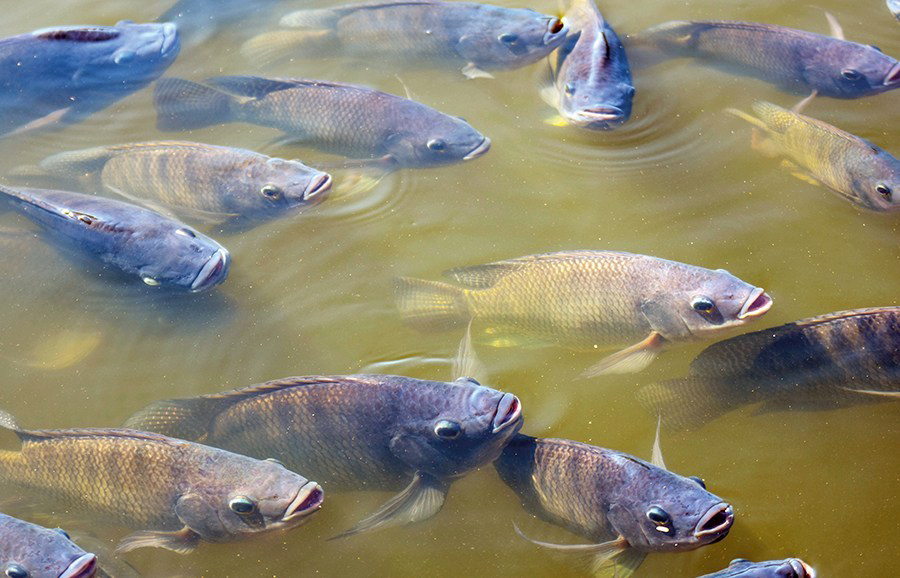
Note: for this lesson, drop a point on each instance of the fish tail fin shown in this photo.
(184, 105)
(7, 421)
(77, 163)
(691, 402)
(188, 419)
(431, 305)
(283, 44)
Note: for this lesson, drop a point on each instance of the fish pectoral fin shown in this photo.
(626, 563)
(834, 26)
(596, 557)
(467, 364)
(556, 120)
(629, 360)
(183, 541)
(799, 173)
(550, 95)
(798, 108)
(656, 457)
(420, 500)
(471, 71)
(45, 121)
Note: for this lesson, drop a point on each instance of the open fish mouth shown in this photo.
(509, 411)
(556, 31)
(756, 304)
(214, 271)
(321, 184)
(715, 523)
(801, 569)
(483, 147)
(309, 499)
(893, 75)
(82, 567)
(170, 39)
(601, 116)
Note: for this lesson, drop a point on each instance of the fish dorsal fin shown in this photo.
(120, 433)
(831, 317)
(254, 86)
(467, 363)
(778, 119)
(287, 383)
(834, 26)
(86, 34)
(328, 17)
(484, 276)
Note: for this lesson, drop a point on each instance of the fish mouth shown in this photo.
(214, 271)
(716, 522)
(602, 116)
(509, 410)
(82, 567)
(170, 39)
(483, 147)
(758, 303)
(801, 569)
(556, 31)
(893, 75)
(321, 184)
(309, 499)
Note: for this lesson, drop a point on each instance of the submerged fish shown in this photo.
(815, 151)
(177, 493)
(197, 20)
(353, 121)
(197, 179)
(376, 432)
(592, 86)
(788, 568)
(30, 551)
(794, 59)
(834, 360)
(626, 506)
(133, 240)
(479, 36)
(65, 74)
(586, 299)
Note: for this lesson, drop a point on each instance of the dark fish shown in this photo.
(794, 59)
(788, 568)
(177, 493)
(358, 432)
(197, 20)
(65, 74)
(834, 360)
(353, 121)
(624, 505)
(479, 36)
(197, 179)
(134, 240)
(30, 551)
(592, 81)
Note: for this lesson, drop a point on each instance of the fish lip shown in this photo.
(320, 184)
(170, 38)
(893, 75)
(601, 115)
(724, 510)
(213, 272)
(307, 501)
(509, 410)
(551, 38)
(483, 147)
(756, 304)
(801, 568)
(84, 566)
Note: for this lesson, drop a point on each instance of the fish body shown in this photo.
(197, 178)
(359, 432)
(833, 360)
(479, 36)
(623, 505)
(345, 119)
(65, 74)
(794, 59)
(177, 493)
(586, 299)
(198, 20)
(859, 171)
(130, 239)
(788, 568)
(593, 87)
(36, 552)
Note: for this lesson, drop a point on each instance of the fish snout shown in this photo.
(509, 412)
(800, 568)
(308, 500)
(82, 567)
(556, 31)
(756, 304)
(715, 523)
(170, 38)
(893, 75)
(604, 116)
(214, 271)
(317, 186)
(483, 147)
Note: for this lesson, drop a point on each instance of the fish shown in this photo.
(126, 238)
(816, 152)
(894, 7)
(480, 37)
(176, 493)
(205, 181)
(787, 568)
(58, 76)
(31, 551)
(795, 60)
(199, 20)
(586, 300)
(356, 432)
(592, 80)
(625, 506)
(823, 362)
(344, 119)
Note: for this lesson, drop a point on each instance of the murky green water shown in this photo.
(312, 295)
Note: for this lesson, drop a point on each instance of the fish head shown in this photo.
(509, 38)
(852, 70)
(36, 551)
(442, 140)
(177, 256)
(789, 568)
(277, 186)
(463, 426)
(875, 181)
(659, 511)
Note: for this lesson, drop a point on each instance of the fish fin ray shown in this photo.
(557, 120)
(891, 394)
(430, 305)
(747, 117)
(183, 105)
(834, 27)
(629, 360)
(656, 457)
(593, 556)
(183, 541)
(75, 164)
(284, 44)
(49, 120)
(691, 402)
(253, 86)
(471, 71)
(799, 173)
(187, 419)
(467, 363)
(798, 108)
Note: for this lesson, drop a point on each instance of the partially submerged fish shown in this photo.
(817, 152)
(177, 493)
(585, 300)
(200, 180)
(625, 506)
(788, 568)
(345, 119)
(479, 36)
(592, 80)
(376, 432)
(61, 75)
(31, 551)
(794, 59)
(834, 360)
(131, 239)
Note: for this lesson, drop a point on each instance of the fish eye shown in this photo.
(271, 192)
(63, 533)
(699, 480)
(447, 429)
(703, 305)
(884, 190)
(16, 571)
(184, 232)
(556, 25)
(436, 145)
(570, 89)
(659, 517)
(851, 74)
(242, 506)
(508, 38)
